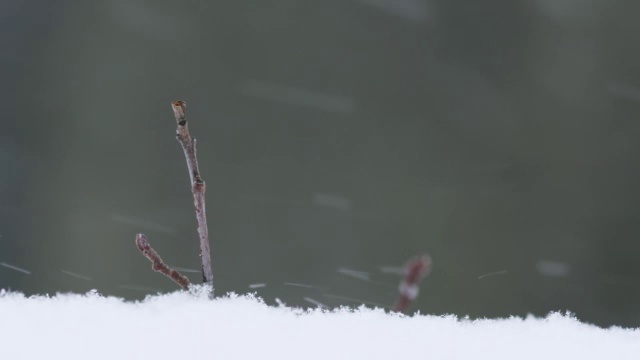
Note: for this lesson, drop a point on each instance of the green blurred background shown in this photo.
(499, 136)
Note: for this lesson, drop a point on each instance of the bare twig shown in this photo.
(197, 188)
(415, 270)
(157, 264)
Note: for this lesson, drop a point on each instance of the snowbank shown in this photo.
(184, 326)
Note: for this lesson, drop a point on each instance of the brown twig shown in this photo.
(415, 270)
(197, 188)
(157, 264)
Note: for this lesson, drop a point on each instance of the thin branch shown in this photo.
(157, 264)
(197, 188)
(415, 270)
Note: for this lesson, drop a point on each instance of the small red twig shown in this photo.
(197, 188)
(415, 270)
(157, 264)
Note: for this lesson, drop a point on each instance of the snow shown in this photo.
(186, 325)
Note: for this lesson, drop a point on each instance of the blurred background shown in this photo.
(337, 139)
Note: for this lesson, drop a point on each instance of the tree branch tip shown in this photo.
(179, 103)
(180, 111)
(419, 266)
(142, 242)
(157, 264)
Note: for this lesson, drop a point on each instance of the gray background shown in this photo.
(497, 136)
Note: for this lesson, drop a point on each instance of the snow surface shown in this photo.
(189, 326)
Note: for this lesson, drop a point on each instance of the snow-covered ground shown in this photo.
(188, 326)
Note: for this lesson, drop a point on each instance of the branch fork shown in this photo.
(198, 188)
